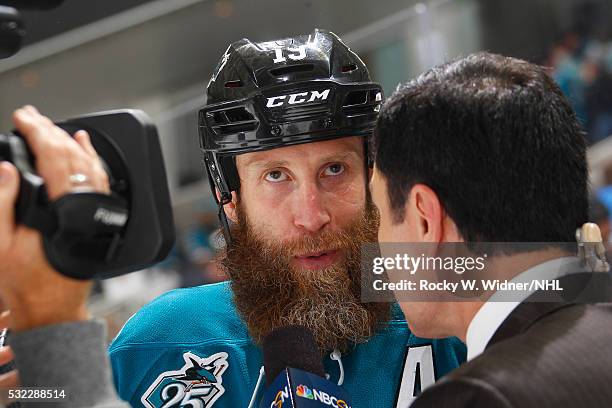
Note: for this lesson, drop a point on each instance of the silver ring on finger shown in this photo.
(78, 179)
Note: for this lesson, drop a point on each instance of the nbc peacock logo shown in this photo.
(304, 392)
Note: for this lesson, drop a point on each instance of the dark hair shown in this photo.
(496, 140)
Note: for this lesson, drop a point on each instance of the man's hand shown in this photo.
(36, 294)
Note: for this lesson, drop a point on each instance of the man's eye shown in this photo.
(333, 170)
(276, 176)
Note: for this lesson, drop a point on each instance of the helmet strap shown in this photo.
(224, 226)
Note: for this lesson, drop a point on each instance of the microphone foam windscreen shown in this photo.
(291, 346)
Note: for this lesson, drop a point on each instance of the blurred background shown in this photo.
(157, 55)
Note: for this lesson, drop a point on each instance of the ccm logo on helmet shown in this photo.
(297, 98)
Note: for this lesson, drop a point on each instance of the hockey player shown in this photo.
(284, 134)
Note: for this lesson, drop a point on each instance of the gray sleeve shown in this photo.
(70, 356)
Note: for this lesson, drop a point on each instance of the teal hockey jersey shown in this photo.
(190, 348)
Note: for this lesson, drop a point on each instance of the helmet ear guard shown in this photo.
(223, 179)
(223, 176)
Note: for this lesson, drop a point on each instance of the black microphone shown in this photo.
(295, 376)
(291, 346)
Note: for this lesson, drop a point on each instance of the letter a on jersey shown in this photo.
(418, 374)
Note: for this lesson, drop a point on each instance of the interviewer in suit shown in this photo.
(487, 149)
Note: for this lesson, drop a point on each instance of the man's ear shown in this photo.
(229, 208)
(426, 213)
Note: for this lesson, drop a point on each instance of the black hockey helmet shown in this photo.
(278, 93)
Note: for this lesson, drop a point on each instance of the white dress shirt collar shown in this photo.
(492, 313)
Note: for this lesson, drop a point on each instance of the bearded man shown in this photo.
(284, 134)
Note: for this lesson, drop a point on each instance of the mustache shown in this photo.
(312, 244)
(286, 250)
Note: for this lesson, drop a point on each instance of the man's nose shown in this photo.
(309, 210)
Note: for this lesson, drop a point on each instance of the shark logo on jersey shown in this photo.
(197, 384)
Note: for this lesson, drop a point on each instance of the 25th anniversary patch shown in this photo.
(198, 383)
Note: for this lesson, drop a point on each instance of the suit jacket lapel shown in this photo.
(577, 288)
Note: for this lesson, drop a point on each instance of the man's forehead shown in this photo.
(335, 149)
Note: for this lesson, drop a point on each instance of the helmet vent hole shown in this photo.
(232, 120)
(233, 84)
(362, 102)
(356, 98)
(219, 117)
(292, 69)
(238, 115)
(349, 68)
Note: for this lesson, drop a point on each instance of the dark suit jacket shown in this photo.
(551, 354)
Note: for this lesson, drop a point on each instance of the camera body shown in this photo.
(88, 235)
